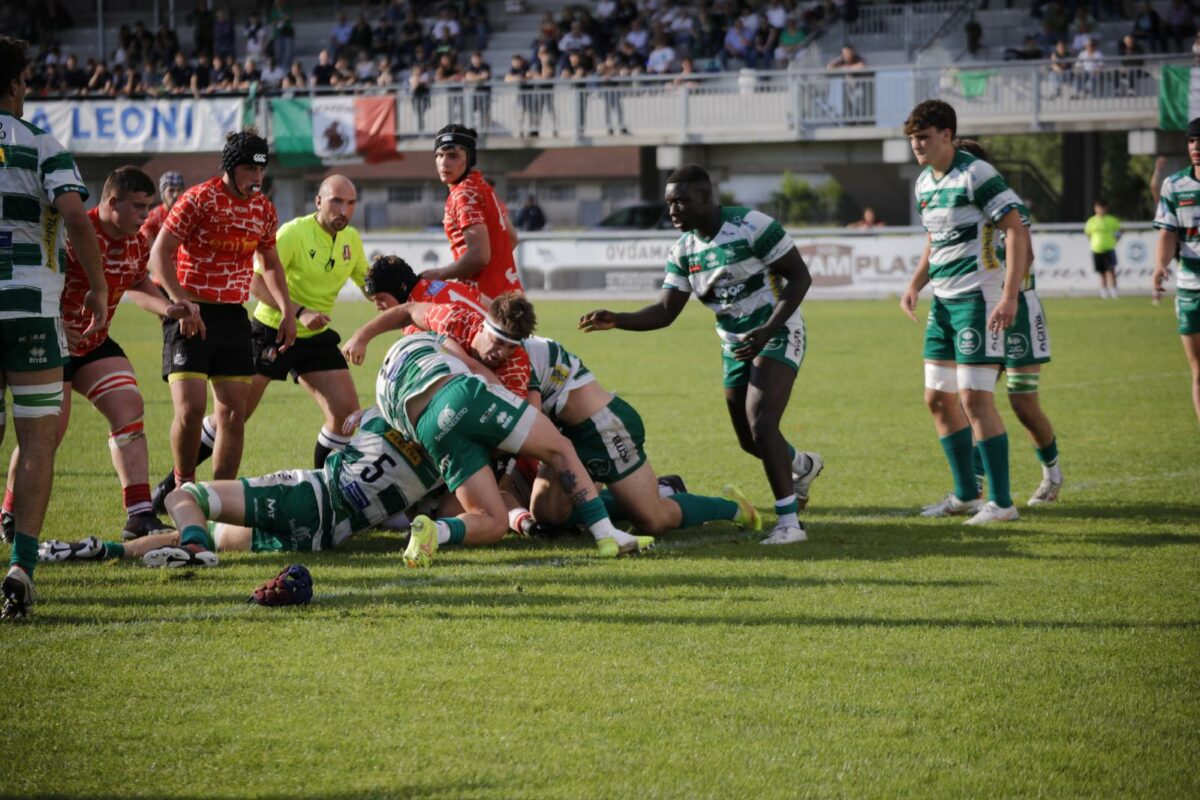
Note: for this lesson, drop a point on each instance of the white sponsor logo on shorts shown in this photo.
(180, 359)
(447, 419)
(968, 341)
(1018, 345)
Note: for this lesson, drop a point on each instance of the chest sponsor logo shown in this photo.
(504, 419)
(491, 410)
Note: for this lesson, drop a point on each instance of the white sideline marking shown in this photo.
(1144, 376)
(386, 586)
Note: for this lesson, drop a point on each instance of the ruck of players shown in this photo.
(481, 424)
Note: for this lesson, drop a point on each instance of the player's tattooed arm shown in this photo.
(797, 280)
(654, 316)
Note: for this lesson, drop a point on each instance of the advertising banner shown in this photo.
(138, 127)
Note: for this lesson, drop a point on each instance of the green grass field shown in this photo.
(889, 656)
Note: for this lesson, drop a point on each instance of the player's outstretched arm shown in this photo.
(475, 257)
(920, 278)
(146, 296)
(87, 250)
(276, 280)
(395, 318)
(797, 281)
(651, 318)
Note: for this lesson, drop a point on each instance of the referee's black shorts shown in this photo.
(310, 354)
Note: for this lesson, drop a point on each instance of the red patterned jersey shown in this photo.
(124, 266)
(473, 202)
(219, 234)
(154, 222)
(462, 323)
(427, 291)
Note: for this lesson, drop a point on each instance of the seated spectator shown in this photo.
(343, 73)
(201, 77)
(445, 44)
(475, 22)
(237, 79)
(220, 77)
(1030, 51)
(750, 21)
(101, 80)
(765, 38)
(143, 41)
(47, 82)
(867, 221)
(447, 24)
(1148, 27)
(250, 73)
(777, 15)
(339, 35)
(272, 73)
(1082, 29)
(530, 216)
(639, 37)
(1181, 24)
(361, 36)
(364, 69)
(629, 60)
(684, 30)
(738, 45)
(848, 59)
(410, 37)
(574, 40)
(687, 75)
(383, 35)
(323, 71)
(256, 37)
(166, 43)
(299, 79)
(178, 77)
(74, 79)
(386, 73)
(661, 59)
(1091, 63)
(791, 39)
(1131, 72)
(447, 70)
(223, 35)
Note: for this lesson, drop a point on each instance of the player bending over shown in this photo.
(378, 474)
(609, 438)
(743, 265)
(426, 391)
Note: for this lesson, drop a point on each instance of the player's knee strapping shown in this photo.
(38, 400)
(941, 379)
(332, 441)
(975, 378)
(1023, 382)
(115, 382)
(126, 434)
(209, 502)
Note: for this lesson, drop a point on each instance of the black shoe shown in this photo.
(9, 524)
(673, 482)
(142, 524)
(540, 530)
(18, 594)
(158, 498)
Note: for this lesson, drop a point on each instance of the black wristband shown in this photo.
(299, 310)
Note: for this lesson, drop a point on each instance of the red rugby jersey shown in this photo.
(124, 266)
(219, 235)
(473, 202)
(427, 291)
(461, 323)
(154, 222)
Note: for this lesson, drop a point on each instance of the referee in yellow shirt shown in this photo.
(1103, 231)
(319, 252)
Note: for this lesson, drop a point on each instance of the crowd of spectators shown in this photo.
(1074, 23)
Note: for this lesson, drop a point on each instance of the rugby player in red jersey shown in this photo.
(170, 186)
(214, 229)
(99, 369)
(474, 220)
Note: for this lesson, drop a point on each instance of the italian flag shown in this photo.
(331, 130)
(1178, 97)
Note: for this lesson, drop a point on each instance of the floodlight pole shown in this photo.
(102, 55)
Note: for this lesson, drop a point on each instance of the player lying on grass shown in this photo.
(743, 265)
(609, 437)
(378, 474)
(430, 394)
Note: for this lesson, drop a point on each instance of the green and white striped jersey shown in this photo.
(729, 272)
(379, 474)
(1179, 211)
(959, 212)
(410, 367)
(554, 371)
(34, 170)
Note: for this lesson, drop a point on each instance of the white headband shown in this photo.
(499, 332)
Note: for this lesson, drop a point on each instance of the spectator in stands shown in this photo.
(1181, 24)
(684, 30)
(419, 78)
(629, 60)
(74, 79)
(362, 37)
(449, 76)
(1090, 62)
(153, 72)
(178, 77)
(548, 36)
(639, 37)
(447, 26)
(543, 73)
(530, 216)
(1131, 72)
(143, 41)
(1082, 29)
(687, 75)
(661, 59)
(283, 33)
(738, 45)
(1062, 66)
(790, 41)
(1148, 27)
(47, 82)
(849, 59)
(749, 19)
(387, 73)
(1056, 20)
(776, 14)
(574, 40)
(475, 22)
(365, 71)
(339, 34)
(1030, 51)
(166, 43)
(202, 30)
(610, 90)
(477, 74)
(297, 75)
(100, 81)
(605, 14)
(383, 35)
(220, 76)
(322, 71)
(411, 36)
(272, 73)
(518, 73)
(224, 38)
(250, 73)
(765, 38)
(256, 37)
(343, 73)
(868, 221)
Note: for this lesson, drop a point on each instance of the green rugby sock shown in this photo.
(610, 504)
(1048, 455)
(24, 552)
(995, 462)
(592, 511)
(958, 452)
(196, 534)
(458, 530)
(698, 509)
(114, 550)
(977, 463)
